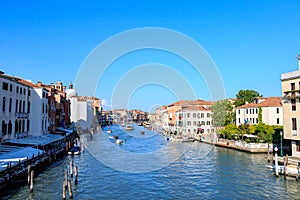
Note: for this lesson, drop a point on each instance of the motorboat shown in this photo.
(147, 125)
(129, 127)
(109, 131)
(119, 142)
(74, 150)
(143, 132)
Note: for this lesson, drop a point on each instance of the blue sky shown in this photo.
(251, 42)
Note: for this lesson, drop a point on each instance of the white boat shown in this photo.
(129, 127)
(109, 131)
(119, 142)
(74, 150)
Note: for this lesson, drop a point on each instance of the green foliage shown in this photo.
(265, 133)
(259, 115)
(246, 96)
(222, 113)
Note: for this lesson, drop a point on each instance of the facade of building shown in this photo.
(84, 110)
(272, 112)
(14, 108)
(193, 120)
(291, 108)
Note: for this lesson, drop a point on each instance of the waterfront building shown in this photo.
(291, 108)
(14, 107)
(194, 119)
(272, 111)
(84, 110)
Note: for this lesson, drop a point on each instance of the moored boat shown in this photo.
(74, 150)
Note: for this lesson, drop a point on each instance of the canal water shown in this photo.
(159, 169)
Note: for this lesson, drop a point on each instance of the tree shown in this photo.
(244, 96)
(222, 113)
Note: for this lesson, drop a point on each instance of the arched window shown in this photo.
(23, 126)
(3, 104)
(24, 106)
(4, 128)
(17, 103)
(20, 106)
(9, 127)
(16, 126)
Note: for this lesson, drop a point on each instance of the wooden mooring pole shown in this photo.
(31, 180)
(76, 174)
(70, 189)
(28, 174)
(64, 192)
(71, 169)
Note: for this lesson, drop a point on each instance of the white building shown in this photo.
(39, 118)
(14, 107)
(83, 110)
(194, 119)
(272, 112)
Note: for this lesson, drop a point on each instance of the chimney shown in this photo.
(39, 83)
(298, 58)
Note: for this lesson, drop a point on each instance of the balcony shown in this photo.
(21, 115)
(292, 94)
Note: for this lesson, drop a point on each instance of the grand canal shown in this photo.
(199, 171)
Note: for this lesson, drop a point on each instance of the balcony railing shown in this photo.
(21, 115)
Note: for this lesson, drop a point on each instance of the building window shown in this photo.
(239, 120)
(28, 92)
(4, 128)
(202, 115)
(20, 106)
(21, 90)
(277, 120)
(10, 87)
(246, 111)
(292, 86)
(203, 123)
(293, 103)
(17, 89)
(3, 104)
(9, 105)
(207, 130)
(189, 123)
(208, 123)
(239, 111)
(194, 123)
(277, 110)
(5, 86)
(23, 106)
(297, 146)
(28, 107)
(188, 115)
(250, 111)
(208, 115)
(257, 120)
(198, 115)
(256, 110)
(17, 103)
(294, 124)
(194, 115)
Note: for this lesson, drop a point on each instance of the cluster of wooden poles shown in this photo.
(67, 182)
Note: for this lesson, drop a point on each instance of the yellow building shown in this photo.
(291, 108)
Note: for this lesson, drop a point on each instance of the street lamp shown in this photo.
(281, 152)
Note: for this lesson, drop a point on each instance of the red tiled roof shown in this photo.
(269, 102)
(194, 108)
(190, 102)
